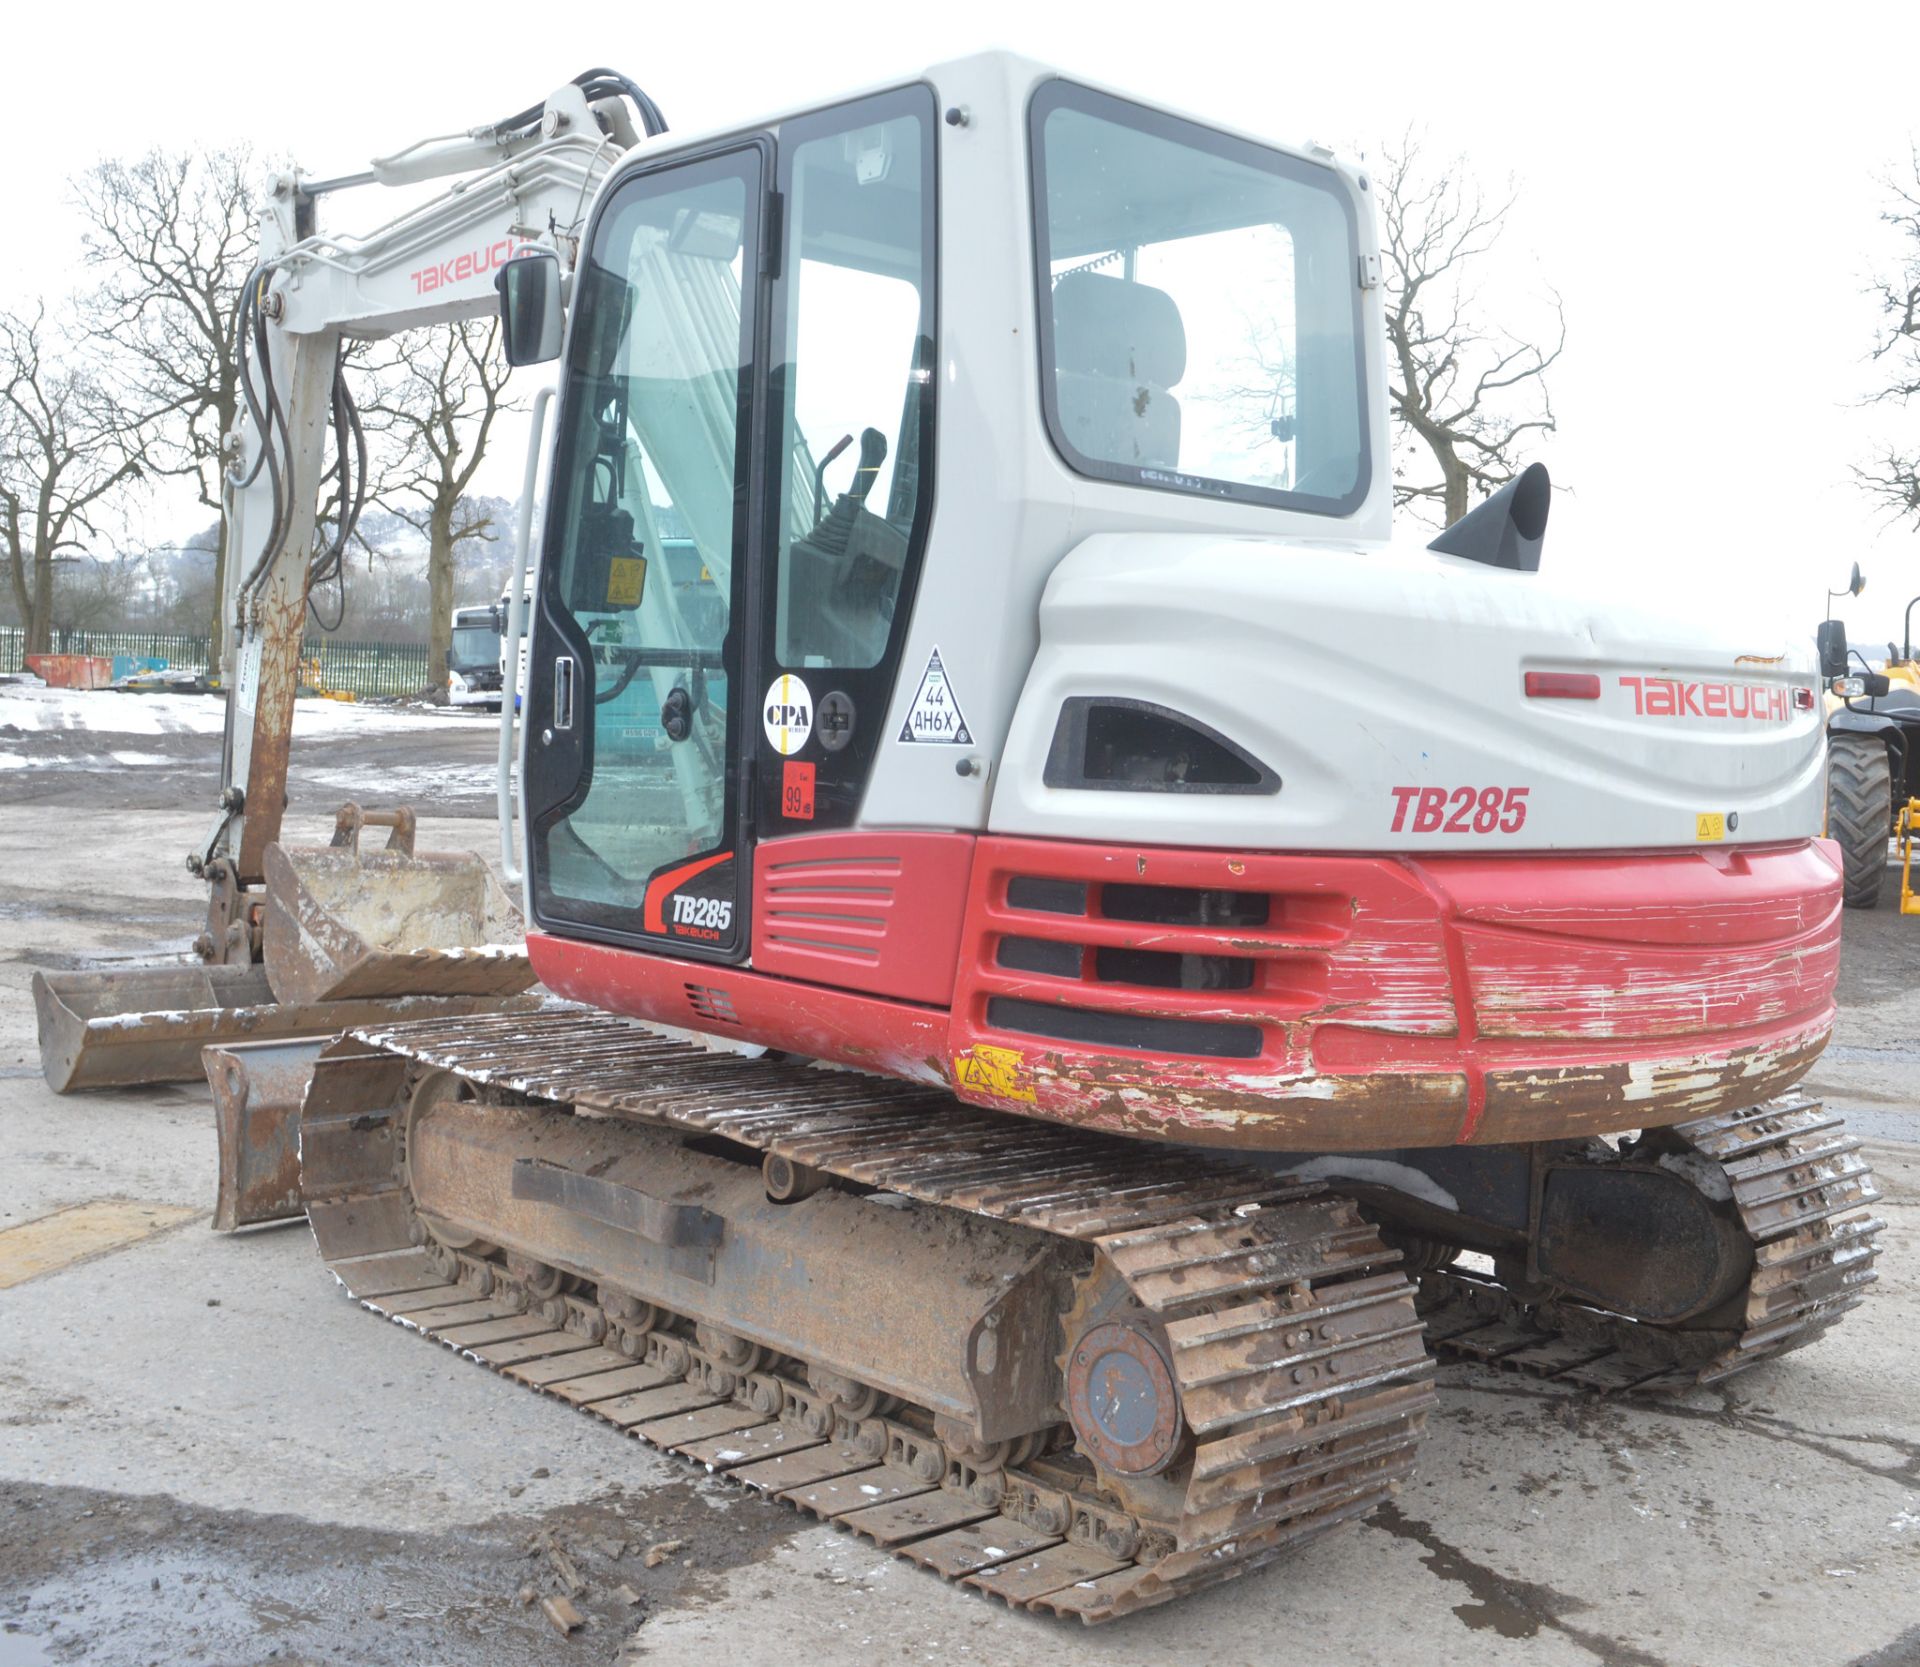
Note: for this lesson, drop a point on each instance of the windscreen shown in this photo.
(475, 645)
(648, 485)
(1200, 307)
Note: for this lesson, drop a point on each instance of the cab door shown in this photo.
(741, 493)
(850, 406)
(633, 777)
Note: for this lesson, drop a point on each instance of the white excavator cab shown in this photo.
(883, 363)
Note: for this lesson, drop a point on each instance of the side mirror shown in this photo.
(1831, 637)
(1858, 582)
(530, 320)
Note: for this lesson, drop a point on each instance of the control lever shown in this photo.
(873, 452)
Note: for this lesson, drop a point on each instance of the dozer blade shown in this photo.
(148, 1024)
(342, 924)
(257, 1090)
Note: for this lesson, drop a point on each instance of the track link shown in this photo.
(1803, 1193)
(1298, 1357)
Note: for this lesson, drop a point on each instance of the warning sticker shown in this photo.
(626, 581)
(935, 714)
(796, 791)
(787, 714)
(1000, 1073)
(1710, 824)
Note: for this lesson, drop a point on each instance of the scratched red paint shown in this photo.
(1397, 1001)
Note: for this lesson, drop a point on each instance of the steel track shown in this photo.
(1803, 1193)
(1298, 1358)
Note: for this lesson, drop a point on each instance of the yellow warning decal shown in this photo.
(626, 581)
(1710, 824)
(999, 1072)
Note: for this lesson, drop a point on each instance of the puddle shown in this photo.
(124, 1581)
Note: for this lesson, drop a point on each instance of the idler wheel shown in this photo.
(1122, 1401)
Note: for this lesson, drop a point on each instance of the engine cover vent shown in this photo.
(1134, 746)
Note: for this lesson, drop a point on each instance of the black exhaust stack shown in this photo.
(1509, 528)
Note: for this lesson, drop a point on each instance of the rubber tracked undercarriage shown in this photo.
(1137, 1037)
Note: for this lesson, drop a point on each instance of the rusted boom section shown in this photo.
(148, 1024)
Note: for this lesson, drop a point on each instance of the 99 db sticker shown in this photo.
(1459, 810)
(787, 714)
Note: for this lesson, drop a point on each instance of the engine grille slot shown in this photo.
(1185, 906)
(1041, 955)
(1047, 896)
(1134, 746)
(1136, 1032)
(1158, 969)
(712, 1004)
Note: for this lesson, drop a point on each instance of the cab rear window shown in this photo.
(1200, 314)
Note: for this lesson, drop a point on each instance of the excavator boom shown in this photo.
(299, 943)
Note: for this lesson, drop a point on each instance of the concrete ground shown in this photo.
(208, 1454)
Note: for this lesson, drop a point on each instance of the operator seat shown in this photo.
(1118, 347)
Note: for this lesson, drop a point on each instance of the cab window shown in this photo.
(852, 375)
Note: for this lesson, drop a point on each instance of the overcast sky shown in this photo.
(1698, 181)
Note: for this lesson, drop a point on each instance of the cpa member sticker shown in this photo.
(788, 714)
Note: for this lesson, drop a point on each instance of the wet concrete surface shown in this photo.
(123, 1580)
(309, 1484)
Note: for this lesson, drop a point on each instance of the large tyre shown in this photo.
(1859, 814)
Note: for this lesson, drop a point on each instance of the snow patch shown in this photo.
(1379, 1172)
(1700, 1171)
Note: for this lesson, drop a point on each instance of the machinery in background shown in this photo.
(1873, 761)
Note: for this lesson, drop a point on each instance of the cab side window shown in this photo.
(853, 369)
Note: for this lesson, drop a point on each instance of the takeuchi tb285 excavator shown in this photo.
(1041, 1050)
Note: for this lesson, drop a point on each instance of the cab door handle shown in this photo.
(563, 681)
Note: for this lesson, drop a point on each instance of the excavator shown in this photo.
(1040, 1049)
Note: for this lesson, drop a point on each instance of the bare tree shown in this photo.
(67, 446)
(101, 590)
(173, 236)
(1893, 478)
(435, 397)
(1467, 392)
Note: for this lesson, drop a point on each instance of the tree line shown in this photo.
(134, 378)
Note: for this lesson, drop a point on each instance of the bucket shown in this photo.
(346, 923)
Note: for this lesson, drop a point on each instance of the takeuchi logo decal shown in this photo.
(475, 263)
(1669, 697)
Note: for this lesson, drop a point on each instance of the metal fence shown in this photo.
(361, 668)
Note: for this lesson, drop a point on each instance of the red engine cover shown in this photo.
(1286, 1002)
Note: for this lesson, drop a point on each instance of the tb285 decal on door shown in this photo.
(694, 900)
(1459, 810)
